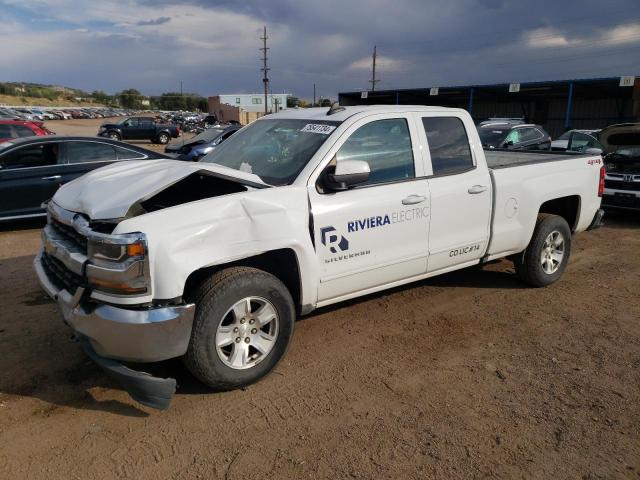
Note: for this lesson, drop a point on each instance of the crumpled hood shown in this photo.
(109, 192)
(615, 137)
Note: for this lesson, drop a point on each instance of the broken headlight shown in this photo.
(119, 264)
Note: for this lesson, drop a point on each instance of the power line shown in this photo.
(265, 70)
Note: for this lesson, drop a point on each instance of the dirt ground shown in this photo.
(467, 375)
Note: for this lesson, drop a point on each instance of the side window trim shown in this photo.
(325, 155)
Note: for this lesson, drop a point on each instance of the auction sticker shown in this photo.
(318, 128)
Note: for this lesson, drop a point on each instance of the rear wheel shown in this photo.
(163, 138)
(242, 327)
(546, 257)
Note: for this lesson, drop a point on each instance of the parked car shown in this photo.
(9, 114)
(139, 128)
(28, 114)
(513, 135)
(203, 143)
(43, 115)
(576, 141)
(621, 146)
(10, 129)
(212, 261)
(32, 169)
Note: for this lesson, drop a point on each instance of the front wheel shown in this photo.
(242, 327)
(546, 257)
(114, 136)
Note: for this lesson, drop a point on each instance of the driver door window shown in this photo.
(514, 137)
(581, 141)
(386, 146)
(32, 156)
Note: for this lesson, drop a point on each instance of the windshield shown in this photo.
(207, 136)
(276, 149)
(492, 136)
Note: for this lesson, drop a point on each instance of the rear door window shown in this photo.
(529, 134)
(85, 152)
(448, 145)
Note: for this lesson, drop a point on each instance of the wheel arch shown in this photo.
(282, 263)
(567, 207)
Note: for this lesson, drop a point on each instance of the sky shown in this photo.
(212, 46)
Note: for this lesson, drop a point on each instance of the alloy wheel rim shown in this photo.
(552, 252)
(247, 333)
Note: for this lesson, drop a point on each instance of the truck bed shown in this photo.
(512, 158)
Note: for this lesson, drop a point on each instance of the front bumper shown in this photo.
(135, 335)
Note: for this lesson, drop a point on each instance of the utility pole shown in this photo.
(373, 80)
(265, 70)
(314, 95)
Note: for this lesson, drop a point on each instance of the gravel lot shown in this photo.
(90, 128)
(468, 375)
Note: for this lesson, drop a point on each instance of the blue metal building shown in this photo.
(556, 105)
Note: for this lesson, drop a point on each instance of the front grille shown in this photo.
(622, 185)
(60, 275)
(70, 233)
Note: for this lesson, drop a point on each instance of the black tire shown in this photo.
(114, 136)
(528, 265)
(163, 138)
(214, 297)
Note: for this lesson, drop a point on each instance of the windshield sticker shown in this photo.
(318, 128)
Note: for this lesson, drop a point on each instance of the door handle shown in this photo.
(53, 177)
(413, 199)
(477, 189)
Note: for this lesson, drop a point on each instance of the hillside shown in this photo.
(18, 93)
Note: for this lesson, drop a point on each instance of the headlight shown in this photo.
(102, 129)
(119, 264)
(204, 151)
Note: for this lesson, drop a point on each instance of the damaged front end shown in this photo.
(78, 268)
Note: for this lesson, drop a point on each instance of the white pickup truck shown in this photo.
(213, 261)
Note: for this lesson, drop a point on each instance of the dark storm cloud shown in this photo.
(212, 45)
(157, 21)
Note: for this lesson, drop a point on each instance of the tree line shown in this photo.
(134, 99)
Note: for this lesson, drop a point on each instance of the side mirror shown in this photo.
(593, 151)
(348, 173)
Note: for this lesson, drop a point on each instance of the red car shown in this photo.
(17, 128)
